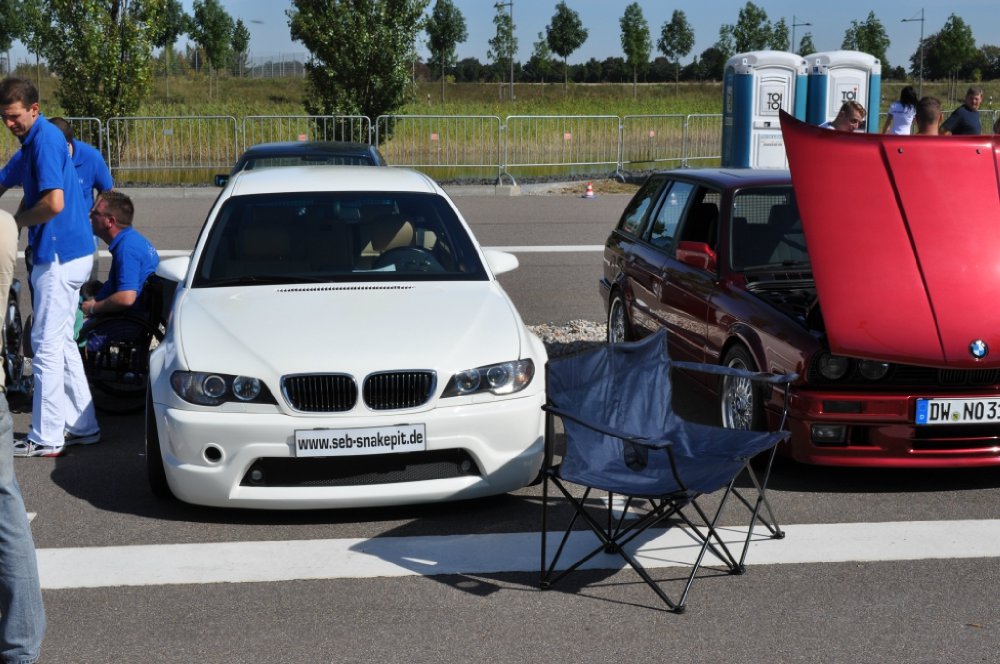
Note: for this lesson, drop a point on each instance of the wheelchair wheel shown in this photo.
(117, 367)
(19, 386)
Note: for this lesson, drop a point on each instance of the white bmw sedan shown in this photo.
(338, 338)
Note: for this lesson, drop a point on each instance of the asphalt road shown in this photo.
(912, 607)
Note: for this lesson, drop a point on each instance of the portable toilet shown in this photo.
(839, 76)
(755, 87)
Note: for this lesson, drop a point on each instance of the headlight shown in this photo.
(832, 367)
(501, 378)
(211, 389)
(873, 369)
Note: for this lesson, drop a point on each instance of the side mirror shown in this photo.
(174, 269)
(221, 179)
(697, 254)
(501, 261)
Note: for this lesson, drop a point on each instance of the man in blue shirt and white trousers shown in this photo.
(59, 234)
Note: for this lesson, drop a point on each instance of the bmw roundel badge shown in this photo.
(978, 349)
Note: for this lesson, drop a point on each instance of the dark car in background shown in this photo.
(719, 258)
(304, 153)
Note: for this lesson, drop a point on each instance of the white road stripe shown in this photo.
(550, 249)
(247, 562)
(532, 249)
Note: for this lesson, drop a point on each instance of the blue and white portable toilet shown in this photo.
(839, 76)
(755, 87)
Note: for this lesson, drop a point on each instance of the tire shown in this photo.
(741, 403)
(618, 325)
(155, 474)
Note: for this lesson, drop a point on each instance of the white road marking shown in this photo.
(528, 249)
(248, 562)
(550, 249)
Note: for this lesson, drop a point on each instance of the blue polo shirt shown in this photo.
(133, 259)
(47, 165)
(91, 170)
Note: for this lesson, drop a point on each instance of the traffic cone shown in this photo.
(590, 190)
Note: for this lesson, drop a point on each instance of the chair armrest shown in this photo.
(757, 376)
(607, 431)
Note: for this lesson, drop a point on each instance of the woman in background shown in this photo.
(901, 113)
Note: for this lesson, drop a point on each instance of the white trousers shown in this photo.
(62, 400)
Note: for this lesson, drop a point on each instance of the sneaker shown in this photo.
(26, 448)
(82, 439)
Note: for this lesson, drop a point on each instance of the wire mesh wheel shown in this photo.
(115, 354)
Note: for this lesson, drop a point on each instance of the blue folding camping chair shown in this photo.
(622, 437)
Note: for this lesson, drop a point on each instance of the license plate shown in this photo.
(957, 411)
(359, 441)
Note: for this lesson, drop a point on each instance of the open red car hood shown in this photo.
(904, 237)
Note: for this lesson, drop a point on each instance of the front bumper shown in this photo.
(880, 431)
(207, 454)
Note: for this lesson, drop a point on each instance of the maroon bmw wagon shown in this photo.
(719, 258)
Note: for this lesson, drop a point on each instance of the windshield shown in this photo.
(766, 233)
(318, 237)
(319, 159)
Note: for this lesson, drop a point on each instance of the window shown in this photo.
(669, 214)
(635, 215)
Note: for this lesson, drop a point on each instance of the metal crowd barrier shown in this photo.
(574, 143)
(190, 150)
(171, 150)
(447, 147)
(274, 128)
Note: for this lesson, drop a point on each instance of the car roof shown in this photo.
(732, 178)
(330, 178)
(333, 148)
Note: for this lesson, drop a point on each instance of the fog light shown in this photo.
(256, 475)
(829, 434)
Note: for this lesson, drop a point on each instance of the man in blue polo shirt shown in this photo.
(91, 169)
(54, 211)
(133, 258)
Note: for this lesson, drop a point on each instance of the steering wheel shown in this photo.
(409, 259)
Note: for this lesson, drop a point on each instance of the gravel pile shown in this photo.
(572, 337)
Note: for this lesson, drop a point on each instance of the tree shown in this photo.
(676, 40)
(951, 52)
(726, 46)
(172, 25)
(212, 29)
(565, 34)
(101, 51)
(10, 24)
(806, 45)
(360, 54)
(713, 62)
(780, 41)
(445, 30)
(503, 45)
(868, 37)
(752, 31)
(635, 42)
(240, 46)
(540, 65)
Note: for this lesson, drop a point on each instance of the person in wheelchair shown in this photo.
(133, 260)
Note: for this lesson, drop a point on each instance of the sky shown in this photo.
(269, 35)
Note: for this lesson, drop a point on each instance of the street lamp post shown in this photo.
(920, 84)
(795, 48)
(510, 5)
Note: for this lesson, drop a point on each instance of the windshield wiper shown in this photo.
(267, 280)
